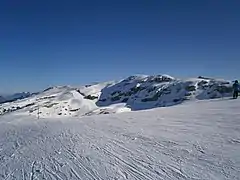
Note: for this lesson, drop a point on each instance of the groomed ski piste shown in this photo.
(193, 140)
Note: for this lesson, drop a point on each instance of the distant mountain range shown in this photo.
(131, 94)
(14, 97)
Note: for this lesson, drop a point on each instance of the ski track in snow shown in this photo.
(191, 141)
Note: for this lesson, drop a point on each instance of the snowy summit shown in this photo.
(134, 93)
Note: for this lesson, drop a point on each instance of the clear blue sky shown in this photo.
(48, 42)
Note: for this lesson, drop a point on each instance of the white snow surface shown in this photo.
(195, 140)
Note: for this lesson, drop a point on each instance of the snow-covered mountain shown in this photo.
(144, 92)
(130, 94)
(14, 97)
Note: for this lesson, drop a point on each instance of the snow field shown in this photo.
(195, 140)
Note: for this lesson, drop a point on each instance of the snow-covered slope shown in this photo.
(53, 102)
(193, 141)
(130, 94)
(145, 92)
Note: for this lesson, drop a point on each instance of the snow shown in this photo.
(146, 92)
(114, 108)
(13, 97)
(54, 102)
(95, 89)
(134, 93)
(194, 140)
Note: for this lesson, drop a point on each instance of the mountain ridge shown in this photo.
(137, 92)
(14, 97)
